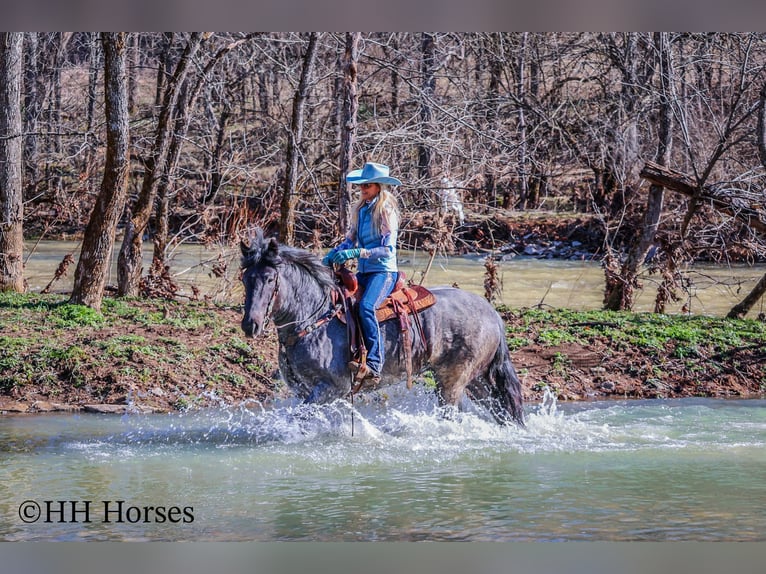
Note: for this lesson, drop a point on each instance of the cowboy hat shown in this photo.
(371, 173)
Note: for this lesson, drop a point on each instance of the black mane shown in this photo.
(269, 252)
(309, 264)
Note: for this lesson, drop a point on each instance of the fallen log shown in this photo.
(743, 205)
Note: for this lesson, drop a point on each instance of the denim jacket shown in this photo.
(381, 247)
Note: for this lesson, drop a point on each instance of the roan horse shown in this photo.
(465, 337)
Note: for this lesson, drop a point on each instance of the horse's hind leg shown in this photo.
(450, 386)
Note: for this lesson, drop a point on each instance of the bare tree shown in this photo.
(742, 308)
(350, 108)
(129, 266)
(98, 242)
(32, 106)
(521, 81)
(428, 89)
(216, 177)
(294, 141)
(182, 114)
(620, 288)
(134, 42)
(94, 61)
(514, 119)
(11, 193)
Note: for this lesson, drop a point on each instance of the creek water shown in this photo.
(393, 466)
(526, 281)
(398, 470)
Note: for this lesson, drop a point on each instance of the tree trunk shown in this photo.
(98, 242)
(93, 68)
(263, 93)
(743, 307)
(620, 295)
(11, 192)
(494, 55)
(395, 79)
(52, 54)
(129, 262)
(133, 57)
(427, 90)
(215, 161)
(32, 106)
(163, 67)
(164, 187)
(59, 50)
(522, 126)
(164, 172)
(350, 107)
(295, 137)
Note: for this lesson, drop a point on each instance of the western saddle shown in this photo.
(405, 301)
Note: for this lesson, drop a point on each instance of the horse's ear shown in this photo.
(272, 251)
(244, 248)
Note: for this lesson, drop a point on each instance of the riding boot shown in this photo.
(364, 374)
(366, 379)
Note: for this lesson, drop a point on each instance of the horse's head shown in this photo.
(260, 275)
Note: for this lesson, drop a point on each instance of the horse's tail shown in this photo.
(505, 387)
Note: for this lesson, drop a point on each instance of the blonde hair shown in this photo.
(386, 208)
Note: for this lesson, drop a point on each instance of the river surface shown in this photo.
(392, 466)
(526, 281)
(397, 470)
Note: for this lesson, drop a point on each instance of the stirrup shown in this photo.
(368, 383)
(364, 373)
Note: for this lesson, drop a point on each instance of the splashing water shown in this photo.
(410, 470)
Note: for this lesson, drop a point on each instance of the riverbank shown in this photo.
(161, 356)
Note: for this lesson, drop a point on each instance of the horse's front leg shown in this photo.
(326, 391)
(322, 392)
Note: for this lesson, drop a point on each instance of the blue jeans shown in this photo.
(377, 286)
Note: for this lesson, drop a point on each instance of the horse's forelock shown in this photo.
(259, 249)
(251, 256)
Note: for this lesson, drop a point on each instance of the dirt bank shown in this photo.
(158, 356)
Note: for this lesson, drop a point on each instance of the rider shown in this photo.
(371, 239)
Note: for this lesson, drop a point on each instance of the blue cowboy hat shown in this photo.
(371, 173)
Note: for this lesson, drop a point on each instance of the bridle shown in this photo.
(325, 318)
(273, 298)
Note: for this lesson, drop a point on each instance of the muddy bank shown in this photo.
(160, 356)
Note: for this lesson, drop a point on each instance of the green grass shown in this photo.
(75, 316)
(688, 334)
(45, 341)
(126, 346)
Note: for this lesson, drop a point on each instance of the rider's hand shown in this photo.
(344, 255)
(327, 259)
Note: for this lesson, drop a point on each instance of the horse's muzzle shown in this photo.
(251, 328)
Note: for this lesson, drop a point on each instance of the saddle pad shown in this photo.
(421, 296)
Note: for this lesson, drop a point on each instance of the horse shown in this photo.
(463, 345)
